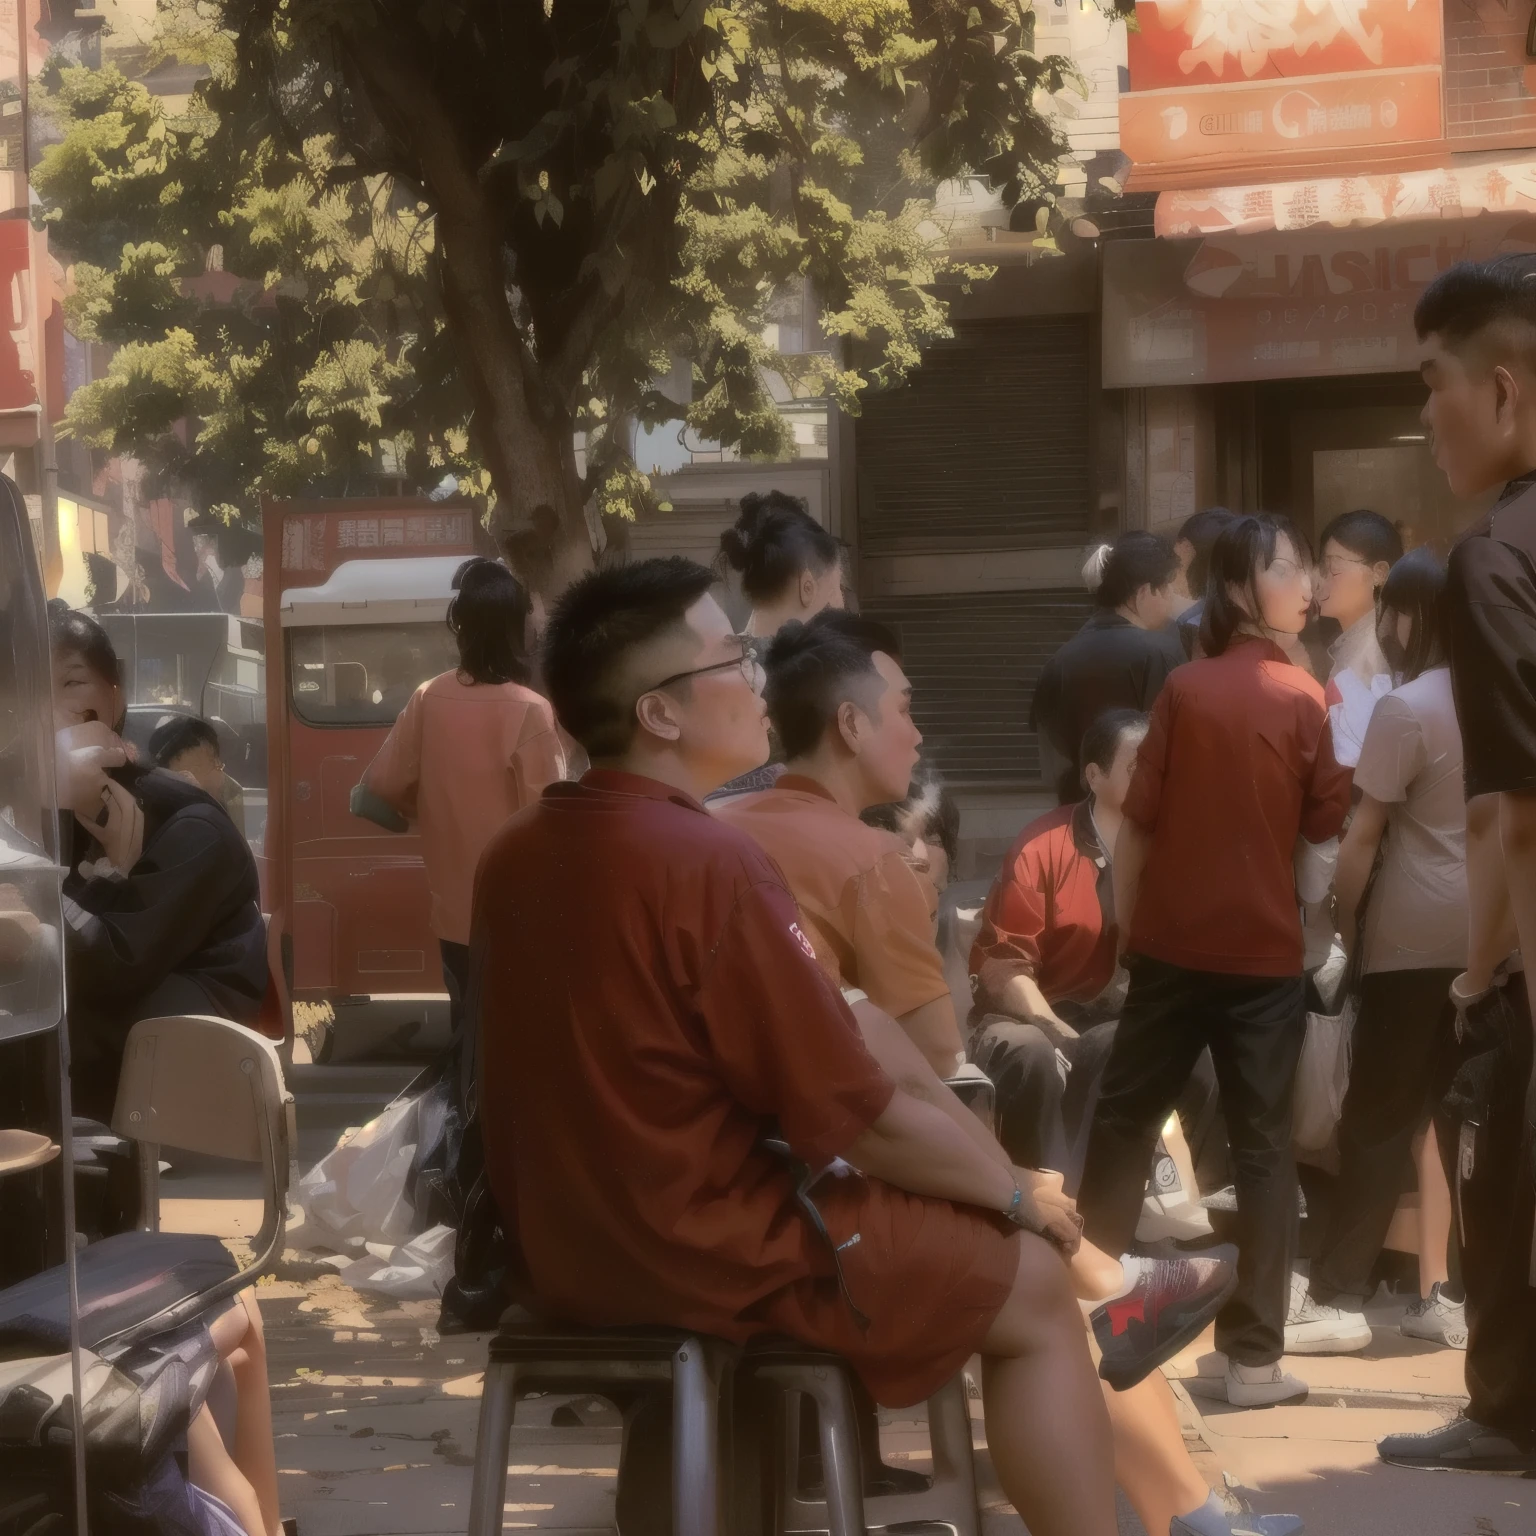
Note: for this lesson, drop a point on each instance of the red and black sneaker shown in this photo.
(1167, 1308)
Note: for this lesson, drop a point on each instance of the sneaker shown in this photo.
(1168, 1307)
(1462, 1443)
(1438, 1318)
(1171, 1217)
(1262, 1386)
(1312, 1328)
(1212, 1519)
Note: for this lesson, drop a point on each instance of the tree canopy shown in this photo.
(493, 236)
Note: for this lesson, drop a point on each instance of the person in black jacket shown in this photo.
(161, 900)
(1119, 659)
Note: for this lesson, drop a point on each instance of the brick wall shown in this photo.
(1490, 85)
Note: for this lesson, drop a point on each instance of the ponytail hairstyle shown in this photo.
(489, 619)
(1135, 560)
(772, 542)
(1243, 548)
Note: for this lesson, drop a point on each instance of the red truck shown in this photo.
(355, 597)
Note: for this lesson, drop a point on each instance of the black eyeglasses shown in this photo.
(746, 664)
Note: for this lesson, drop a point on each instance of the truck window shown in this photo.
(362, 674)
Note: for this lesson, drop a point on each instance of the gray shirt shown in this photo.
(1411, 762)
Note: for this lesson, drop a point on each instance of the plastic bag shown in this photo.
(417, 1270)
(1322, 1078)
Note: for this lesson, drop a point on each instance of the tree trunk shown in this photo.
(529, 450)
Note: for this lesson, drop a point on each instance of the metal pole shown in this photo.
(67, 1164)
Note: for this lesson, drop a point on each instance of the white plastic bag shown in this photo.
(413, 1271)
(355, 1194)
(1322, 1078)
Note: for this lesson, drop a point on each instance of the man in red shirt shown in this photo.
(651, 1005)
(1236, 767)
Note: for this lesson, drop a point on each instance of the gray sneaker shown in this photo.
(1311, 1328)
(1462, 1443)
(1212, 1519)
(1435, 1317)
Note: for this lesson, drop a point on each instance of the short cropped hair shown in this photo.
(1470, 296)
(1136, 559)
(1367, 535)
(73, 633)
(596, 624)
(811, 668)
(181, 733)
(1103, 739)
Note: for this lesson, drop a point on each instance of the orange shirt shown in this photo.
(1237, 764)
(461, 759)
(648, 1007)
(870, 915)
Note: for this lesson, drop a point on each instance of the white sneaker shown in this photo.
(1174, 1218)
(1315, 1329)
(1434, 1317)
(1262, 1386)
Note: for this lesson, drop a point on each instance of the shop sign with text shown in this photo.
(1218, 81)
(1280, 305)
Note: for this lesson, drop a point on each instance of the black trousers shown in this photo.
(1043, 1123)
(1495, 1192)
(1404, 1057)
(1253, 1027)
(1026, 1078)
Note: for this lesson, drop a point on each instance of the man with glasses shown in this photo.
(651, 1009)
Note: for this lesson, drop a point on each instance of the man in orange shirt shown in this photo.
(870, 915)
(649, 1003)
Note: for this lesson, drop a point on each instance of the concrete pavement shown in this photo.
(375, 1418)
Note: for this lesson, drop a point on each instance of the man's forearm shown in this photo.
(918, 1147)
(906, 1066)
(1020, 997)
(1490, 919)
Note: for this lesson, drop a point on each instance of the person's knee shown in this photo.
(1041, 1305)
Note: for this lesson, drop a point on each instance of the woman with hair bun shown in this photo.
(1121, 656)
(790, 569)
(790, 566)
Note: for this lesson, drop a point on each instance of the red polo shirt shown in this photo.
(1238, 764)
(649, 1005)
(1049, 913)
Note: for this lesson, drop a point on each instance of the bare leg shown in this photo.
(1047, 1427)
(1095, 1274)
(1151, 1462)
(1434, 1214)
(209, 1467)
(238, 1336)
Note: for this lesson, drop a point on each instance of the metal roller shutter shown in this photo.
(986, 447)
(974, 660)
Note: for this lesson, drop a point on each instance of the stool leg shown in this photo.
(840, 1469)
(699, 1373)
(498, 1403)
(954, 1448)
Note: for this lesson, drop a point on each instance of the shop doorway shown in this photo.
(1331, 445)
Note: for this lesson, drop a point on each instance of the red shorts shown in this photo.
(929, 1276)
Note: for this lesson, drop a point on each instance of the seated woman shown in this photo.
(161, 898)
(1045, 980)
